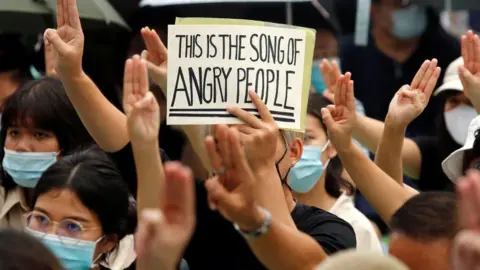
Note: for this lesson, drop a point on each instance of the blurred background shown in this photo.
(112, 34)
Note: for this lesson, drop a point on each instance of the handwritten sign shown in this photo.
(211, 67)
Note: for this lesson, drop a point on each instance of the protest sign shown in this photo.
(213, 63)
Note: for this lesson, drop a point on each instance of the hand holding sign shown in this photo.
(164, 233)
(340, 118)
(67, 40)
(259, 136)
(231, 192)
(156, 55)
(140, 105)
(331, 73)
(470, 71)
(410, 101)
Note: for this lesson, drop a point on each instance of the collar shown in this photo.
(12, 198)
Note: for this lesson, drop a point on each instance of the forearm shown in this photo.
(271, 196)
(368, 132)
(105, 123)
(150, 176)
(283, 247)
(196, 141)
(380, 190)
(389, 153)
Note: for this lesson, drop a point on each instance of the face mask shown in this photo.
(458, 120)
(26, 168)
(307, 171)
(317, 78)
(74, 254)
(409, 22)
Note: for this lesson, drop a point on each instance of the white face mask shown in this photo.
(458, 120)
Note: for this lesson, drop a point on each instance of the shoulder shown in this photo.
(331, 232)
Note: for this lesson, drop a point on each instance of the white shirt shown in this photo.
(367, 239)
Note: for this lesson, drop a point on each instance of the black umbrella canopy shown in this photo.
(303, 12)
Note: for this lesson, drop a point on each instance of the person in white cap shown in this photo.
(422, 155)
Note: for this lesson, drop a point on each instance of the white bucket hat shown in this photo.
(453, 164)
(451, 81)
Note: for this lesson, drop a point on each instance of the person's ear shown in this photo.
(108, 244)
(296, 151)
(331, 151)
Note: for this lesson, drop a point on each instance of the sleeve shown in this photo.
(430, 168)
(125, 163)
(334, 235)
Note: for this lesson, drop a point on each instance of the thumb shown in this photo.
(218, 193)
(327, 118)
(146, 101)
(52, 37)
(466, 75)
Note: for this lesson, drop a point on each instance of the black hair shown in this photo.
(427, 217)
(92, 176)
(334, 182)
(28, 252)
(47, 105)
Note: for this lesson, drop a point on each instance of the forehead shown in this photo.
(61, 203)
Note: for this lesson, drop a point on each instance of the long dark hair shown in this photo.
(334, 182)
(92, 176)
(45, 103)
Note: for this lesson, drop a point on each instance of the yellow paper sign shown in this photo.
(213, 63)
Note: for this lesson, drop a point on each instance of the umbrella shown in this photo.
(33, 16)
(307, 13)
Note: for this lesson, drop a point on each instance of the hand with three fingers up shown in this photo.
(470, 71)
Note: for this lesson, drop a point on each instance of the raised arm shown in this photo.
(381, 191)
(157, 58)
(369, 131)
(470, 71)
(105, 123)
(234, 194)
(407, 104)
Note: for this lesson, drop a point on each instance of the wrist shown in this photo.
(346, 148)
(145, 145)
(394, 123)
(257, 220)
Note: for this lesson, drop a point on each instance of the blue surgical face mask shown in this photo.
(74, 254)
(317, 78)
(306, 173)
(409, 22)
(26, 168)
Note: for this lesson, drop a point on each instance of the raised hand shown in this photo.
(470, 71)
(331, 73)
(259, 136)
(49, 59)
(232, 191)
(410, 101)
(466, 250)
(156, 55)
(67, 40)
(164, 233)
(140, 105)
(341, 117)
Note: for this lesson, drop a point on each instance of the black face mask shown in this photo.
(283, 179)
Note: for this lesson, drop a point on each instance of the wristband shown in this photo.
(260, 231)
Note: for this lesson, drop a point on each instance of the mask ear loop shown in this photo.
(283, 180)
(95, 261)
(323, 150)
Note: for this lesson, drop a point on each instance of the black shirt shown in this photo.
(432, 176)
(378, 77)
(217, 245)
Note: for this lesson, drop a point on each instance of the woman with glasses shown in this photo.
(81, 211)
(38, 125)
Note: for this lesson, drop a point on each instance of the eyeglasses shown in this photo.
(66, 229)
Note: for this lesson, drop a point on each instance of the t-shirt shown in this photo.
(217, 245)
(432, 176)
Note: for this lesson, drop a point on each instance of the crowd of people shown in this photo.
(85, 185)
